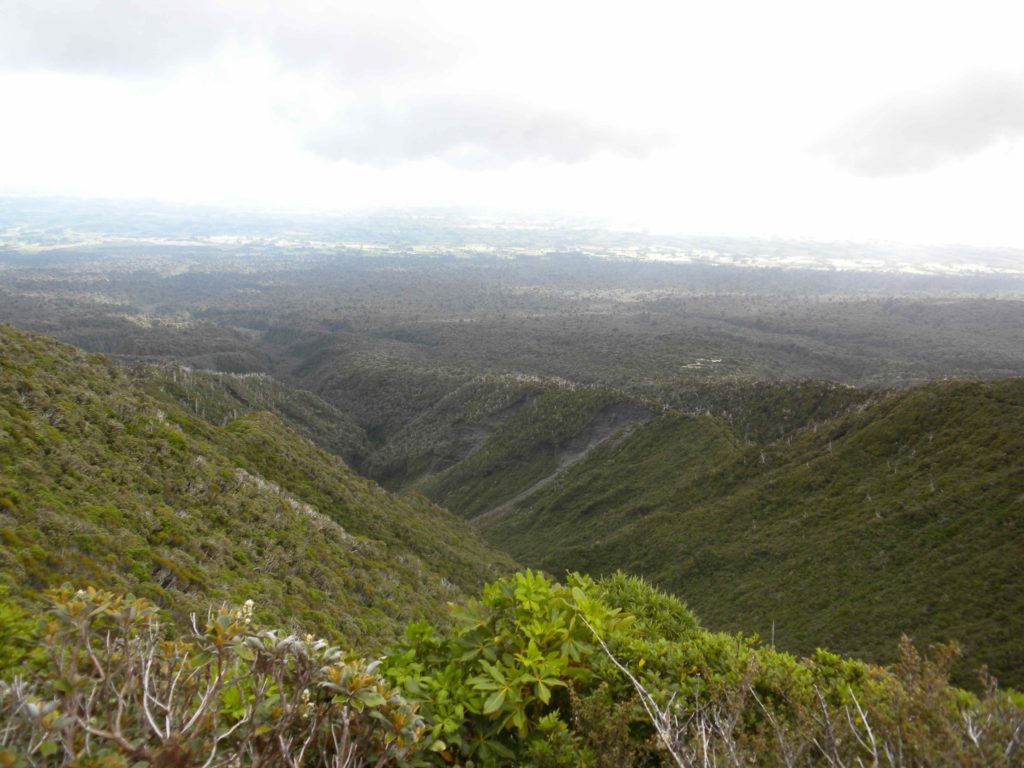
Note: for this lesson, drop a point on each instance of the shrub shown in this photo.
(541, 674)
(487, 686)
(14, 632)
(534, 674)
(115, 688)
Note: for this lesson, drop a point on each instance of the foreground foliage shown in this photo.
(111, 687)
(606, 674)
(614, 673)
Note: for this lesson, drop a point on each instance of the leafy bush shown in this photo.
(487, 686)
(534, 674)
(541, 674)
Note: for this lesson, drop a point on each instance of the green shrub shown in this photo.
(615, 673)
(14, 633)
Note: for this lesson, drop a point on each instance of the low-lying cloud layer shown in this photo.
(471, 132)
(921, 133)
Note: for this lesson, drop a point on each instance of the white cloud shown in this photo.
(685, 116)
(469, 131)
(354, 41)
(920, 132)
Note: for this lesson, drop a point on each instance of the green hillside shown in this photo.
(104, 484)
(552, 429)
(498, 435)
(450, 429)
(763, 411)
(220, 397)
(904, 515)
(368, 379)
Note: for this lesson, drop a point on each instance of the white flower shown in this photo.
(306, 707)
(245, 612)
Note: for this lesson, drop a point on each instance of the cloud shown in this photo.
(470, 132)
(920, 133)
(146, 37)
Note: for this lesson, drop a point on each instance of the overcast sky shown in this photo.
(853, 120)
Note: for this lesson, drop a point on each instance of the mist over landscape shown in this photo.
(578, 386)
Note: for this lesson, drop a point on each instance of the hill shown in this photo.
(103, 483)
(497, 438)
(219, 397)
(906, 514)
(500, 436)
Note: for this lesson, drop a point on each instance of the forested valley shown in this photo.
(414, 492)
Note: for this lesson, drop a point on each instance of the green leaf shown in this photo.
(494, 702)
(519, 720)
(371, 698)
(543, 693)
(483, 684)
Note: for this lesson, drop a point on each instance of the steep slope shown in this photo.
(498, 437)
(545, 432)
(101, 483)
(904, 515)
(619, 484)
(763, 411)
(220, 397)
(383, 384)
(451, 429)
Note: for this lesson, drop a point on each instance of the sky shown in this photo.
(894, 120)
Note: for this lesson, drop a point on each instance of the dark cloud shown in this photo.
(142, 37)
(919, 133)
(469, 132)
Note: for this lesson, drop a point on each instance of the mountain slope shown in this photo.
(101, 483)
(904, 515)
(219, 397)
(496, 436)
(451, 429)
(552, 429)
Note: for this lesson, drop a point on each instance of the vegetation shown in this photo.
(383, 333)
(110, 687)
(762, 442)
(522, 450)
(222, 397)
(901, 516)
(451, 429)
(765, 411)
(534, 673)
(541, 674)
(103, 485)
